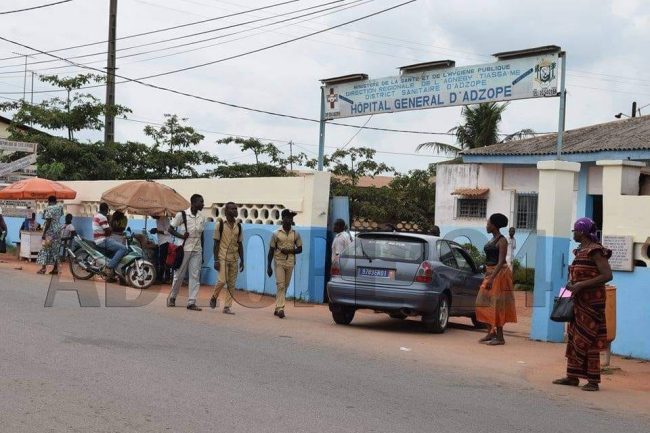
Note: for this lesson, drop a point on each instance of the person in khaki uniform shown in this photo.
(285, 244)
(228, 249)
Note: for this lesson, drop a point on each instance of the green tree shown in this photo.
(269, 160)
(78, 111)
(171, 155)
(480, 128)
(353, 163)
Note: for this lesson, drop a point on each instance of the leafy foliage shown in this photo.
(480, 128)
(62, 158)
(269, 160)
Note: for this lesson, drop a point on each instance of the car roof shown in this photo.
(428, 238)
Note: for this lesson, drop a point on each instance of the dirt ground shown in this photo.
(521, 362)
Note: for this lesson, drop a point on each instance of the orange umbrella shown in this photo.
(36, 188)
(145, 197)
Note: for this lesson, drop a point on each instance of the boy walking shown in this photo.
(285, 244)
(228, 249)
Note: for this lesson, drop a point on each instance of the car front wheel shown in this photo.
(438, 322)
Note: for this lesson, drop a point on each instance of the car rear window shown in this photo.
(389, 248)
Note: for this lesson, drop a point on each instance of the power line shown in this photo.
(340, 8)
(169, 28)
(35, 7)
(277, 140)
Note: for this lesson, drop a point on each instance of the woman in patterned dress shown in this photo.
(50, 251)
(587, 332)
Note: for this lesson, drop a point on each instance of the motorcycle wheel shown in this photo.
(143, 279)
(76, 269)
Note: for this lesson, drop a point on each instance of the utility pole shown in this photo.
(109, 123)
(25, 77)
(291, 156)
(32, 100)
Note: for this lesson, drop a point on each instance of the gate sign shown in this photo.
(505, 80)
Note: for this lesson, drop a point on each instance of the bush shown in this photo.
(477, 256)
(523, 277)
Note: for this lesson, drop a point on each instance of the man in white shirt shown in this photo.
(101, 236)
(342, 239)
(189, 225)
(512, 247)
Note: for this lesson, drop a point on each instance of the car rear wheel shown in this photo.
(438, 322)
(342, 315)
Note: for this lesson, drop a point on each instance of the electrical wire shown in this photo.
(35, 7)
(335, 9)
(89, 44)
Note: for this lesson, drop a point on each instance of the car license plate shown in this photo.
(375, 273)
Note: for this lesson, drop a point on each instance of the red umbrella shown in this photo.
(36, 188)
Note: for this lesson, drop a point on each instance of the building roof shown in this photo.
(621, 135)
(471, 192)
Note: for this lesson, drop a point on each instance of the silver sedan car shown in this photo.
(404, 274)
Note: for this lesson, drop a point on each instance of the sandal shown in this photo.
(41, 272)
(496, 342)
(568, 381)
(54, 272)
(590, 387)
(487, 338)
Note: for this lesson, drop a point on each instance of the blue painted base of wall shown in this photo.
(632, 313)
(307, 283)
(550, 275)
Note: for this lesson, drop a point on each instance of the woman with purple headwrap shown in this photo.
(587, 332)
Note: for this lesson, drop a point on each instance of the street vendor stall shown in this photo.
(35, 189)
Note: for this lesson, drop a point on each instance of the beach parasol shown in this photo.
(145, 197)
(36, 188)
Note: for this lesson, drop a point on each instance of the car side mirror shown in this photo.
(481, 269)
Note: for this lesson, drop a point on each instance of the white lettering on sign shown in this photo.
(17, 208)
(18, 164)
(529, 77)
(622, 252)
(17, 146)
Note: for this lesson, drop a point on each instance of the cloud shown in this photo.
(605, 43)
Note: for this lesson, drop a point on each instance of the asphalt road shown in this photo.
(152, 369)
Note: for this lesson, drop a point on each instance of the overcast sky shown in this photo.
(606, 44)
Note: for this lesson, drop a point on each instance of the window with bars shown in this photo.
(471, 208)
(526, 211)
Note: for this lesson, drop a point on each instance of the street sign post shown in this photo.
(17, 146)
(18, 164)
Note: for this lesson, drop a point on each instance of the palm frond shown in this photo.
(438, 147)
(519, 135)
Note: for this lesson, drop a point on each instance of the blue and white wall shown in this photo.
(260, 202)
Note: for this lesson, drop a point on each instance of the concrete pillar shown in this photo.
(554, 219)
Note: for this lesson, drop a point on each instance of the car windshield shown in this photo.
(391, 248)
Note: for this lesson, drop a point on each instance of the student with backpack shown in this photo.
(189, 225)
(228, 256)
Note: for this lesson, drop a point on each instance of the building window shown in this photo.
(526, 211)
(471, 208)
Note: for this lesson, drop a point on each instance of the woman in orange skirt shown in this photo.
(495, 303)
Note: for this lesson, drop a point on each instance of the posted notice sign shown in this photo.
(523, 78)
(622, 252)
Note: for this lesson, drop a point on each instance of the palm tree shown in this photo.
(480, 128)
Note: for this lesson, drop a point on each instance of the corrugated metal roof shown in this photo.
(628, 134)
(471, 192)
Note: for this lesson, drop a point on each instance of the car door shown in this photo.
(450, 274)
(470, 277)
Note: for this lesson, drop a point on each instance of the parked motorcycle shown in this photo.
(88, 259)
